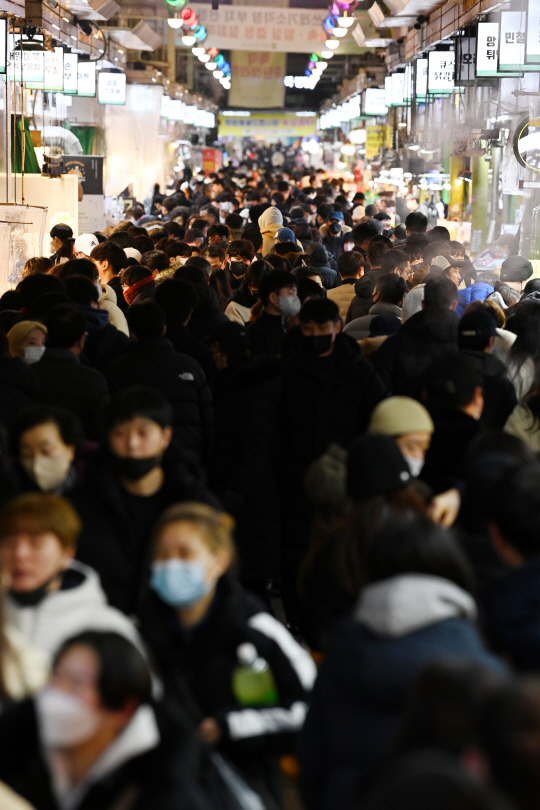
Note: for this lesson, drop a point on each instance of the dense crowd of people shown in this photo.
(270, 510)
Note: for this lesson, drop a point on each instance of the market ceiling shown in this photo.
(345, 64)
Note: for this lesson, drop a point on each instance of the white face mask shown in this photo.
(32, 354)
(48, 473)
(64, 720)
(289, 305)
(415, 465)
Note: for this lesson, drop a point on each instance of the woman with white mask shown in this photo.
(26, 340)
(92, 739)
(46, 442)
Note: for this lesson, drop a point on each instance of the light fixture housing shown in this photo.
(188, 40)
(346, 22)
(340, 32)
(327, 54)
(211, 65)
(332, 44)
(174, 22)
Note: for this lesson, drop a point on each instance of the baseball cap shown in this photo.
(85, 242)
(477, 323)
(444, 262)
(336, 215)
(285, 235)
(133, 253)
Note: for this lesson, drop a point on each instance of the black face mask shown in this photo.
(334, 228)
(31, 598)
(134, 468)
(318, 344)
(238, 269)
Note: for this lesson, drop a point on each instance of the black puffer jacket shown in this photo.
(115, 539)
(499, 392)
(19, 388)
(181, 380)
(66, 382)
(423, 339)
(363, 297)
(242, 474)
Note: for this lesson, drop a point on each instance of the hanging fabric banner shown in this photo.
(257, 79)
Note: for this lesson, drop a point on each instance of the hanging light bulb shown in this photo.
(218, 74)
(340, 32)
(332, 44)
(174, 22)
(327, 54)
(210, 65)
(198, 51)
(346, 22)
(188, 40)
(204, 58)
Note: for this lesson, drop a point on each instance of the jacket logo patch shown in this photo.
(187, 375)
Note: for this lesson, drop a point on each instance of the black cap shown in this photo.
(478, 323)
(516, 268)
(375, 466)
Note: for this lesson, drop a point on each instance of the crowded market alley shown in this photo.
(269, 405)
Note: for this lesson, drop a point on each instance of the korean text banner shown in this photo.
(257, 79)
(268, 125)
(256, 28)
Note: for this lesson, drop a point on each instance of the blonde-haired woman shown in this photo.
(203, 627)
(26, 340)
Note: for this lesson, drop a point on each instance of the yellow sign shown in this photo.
(270, 126)
(257, 79)
(376, 137)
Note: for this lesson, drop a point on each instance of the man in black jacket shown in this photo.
(154, 362)
(425, 337)
(126, 489)
(63, 379)
(278, 295)
(328, 393)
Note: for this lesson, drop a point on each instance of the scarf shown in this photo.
(132, 292)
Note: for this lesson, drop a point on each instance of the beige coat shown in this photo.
(116, 316)
(522, 424)
(342, 295)
(11, 801)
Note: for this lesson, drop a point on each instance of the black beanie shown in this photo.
(375, 466)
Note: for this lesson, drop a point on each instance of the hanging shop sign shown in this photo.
(441, 67)
(26, 58)
(398, 89)
(408, 84)
(376, 139)
(86, 79)
(487, 49)
(388, 91)
(532, 45)
(71, 61)
(374, 101)
(261, 28)
(465, 60)
(421, 79)
(487, 52)
(257, 79)
(3, 44)
(512, 40)
(111, 88)
(268, 125)
(526, 143)
(53, 79)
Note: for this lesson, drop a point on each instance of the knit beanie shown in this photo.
(375, 466)
(397, 415)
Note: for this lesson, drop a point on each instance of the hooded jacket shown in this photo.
(400, 625)
(270, 221)
(362, 301)
(423, 339)
(108, 301)
(78, 605)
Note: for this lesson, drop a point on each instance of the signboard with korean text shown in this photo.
(268, 125)
(257, 79)
(408, 86)
(53, 79)
(3, 44)
(374, 101)
(487, 49)
(388, 91)
(512, 44)
(26, 58)
(532, 45)
(465, 60)
(70, 73)
(263, 28)
(376, 138)
(421, 79)
(441, 65)
(111, 88)
(86, 79)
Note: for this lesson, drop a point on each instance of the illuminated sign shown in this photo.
(111, 88)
